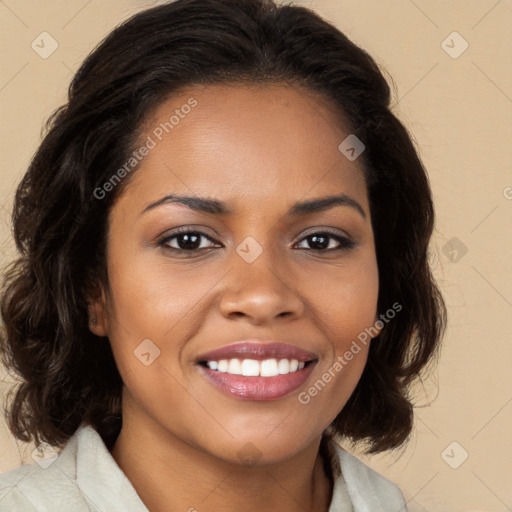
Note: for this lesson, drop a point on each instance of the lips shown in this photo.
(253, 385)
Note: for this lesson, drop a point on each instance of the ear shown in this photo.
(97, 309)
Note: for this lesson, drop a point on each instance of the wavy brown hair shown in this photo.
(68, 375)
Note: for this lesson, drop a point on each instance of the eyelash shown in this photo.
(345, 243)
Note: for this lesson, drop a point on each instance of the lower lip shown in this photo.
(258, 388)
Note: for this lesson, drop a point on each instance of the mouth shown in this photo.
(257, 371)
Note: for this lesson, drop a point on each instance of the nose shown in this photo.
(261, 291)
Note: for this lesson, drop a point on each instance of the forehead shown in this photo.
(246, 143)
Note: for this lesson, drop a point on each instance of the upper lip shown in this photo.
(259, 350)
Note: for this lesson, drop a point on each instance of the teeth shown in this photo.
(250, 368)
(283, 366)
(269, 368)
(234, 367)
(254, 368)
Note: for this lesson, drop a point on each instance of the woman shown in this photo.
(223, 271)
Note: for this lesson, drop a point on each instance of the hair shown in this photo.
(69, 375)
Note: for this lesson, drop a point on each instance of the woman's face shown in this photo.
(249, 269)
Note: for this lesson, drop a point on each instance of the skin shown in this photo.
(259, 149)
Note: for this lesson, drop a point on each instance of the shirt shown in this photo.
(85, 477)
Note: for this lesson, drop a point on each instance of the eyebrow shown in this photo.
(202, 204)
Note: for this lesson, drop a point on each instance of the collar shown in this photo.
(99, 476)
(103, 482)
(368, 490)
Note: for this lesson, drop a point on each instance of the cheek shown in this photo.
(345, 321)
(346, 300)
(154, 299)
(346, 310)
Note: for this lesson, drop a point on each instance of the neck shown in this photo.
(171, 474)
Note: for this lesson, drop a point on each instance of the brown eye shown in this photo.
(186, 240)
(322, 241)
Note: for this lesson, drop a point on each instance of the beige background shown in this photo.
(459, 111)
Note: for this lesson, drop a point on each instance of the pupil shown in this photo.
(191, 240)
(315, 239)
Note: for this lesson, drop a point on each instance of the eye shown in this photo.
(322, 241)
(186, 239)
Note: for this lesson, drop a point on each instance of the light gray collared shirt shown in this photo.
(84, 477)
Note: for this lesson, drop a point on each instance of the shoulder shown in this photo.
(82, 477)
(11, 496)
(51, 479)
(368, 489)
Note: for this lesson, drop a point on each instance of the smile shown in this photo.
(255, 368)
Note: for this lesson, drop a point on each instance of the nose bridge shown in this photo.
(259, 284)
(258, 262)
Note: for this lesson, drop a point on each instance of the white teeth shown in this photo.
(213, 365)
(269, 368)
(250, 368)
(234, 367)
(283, 366)
(254, 368)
